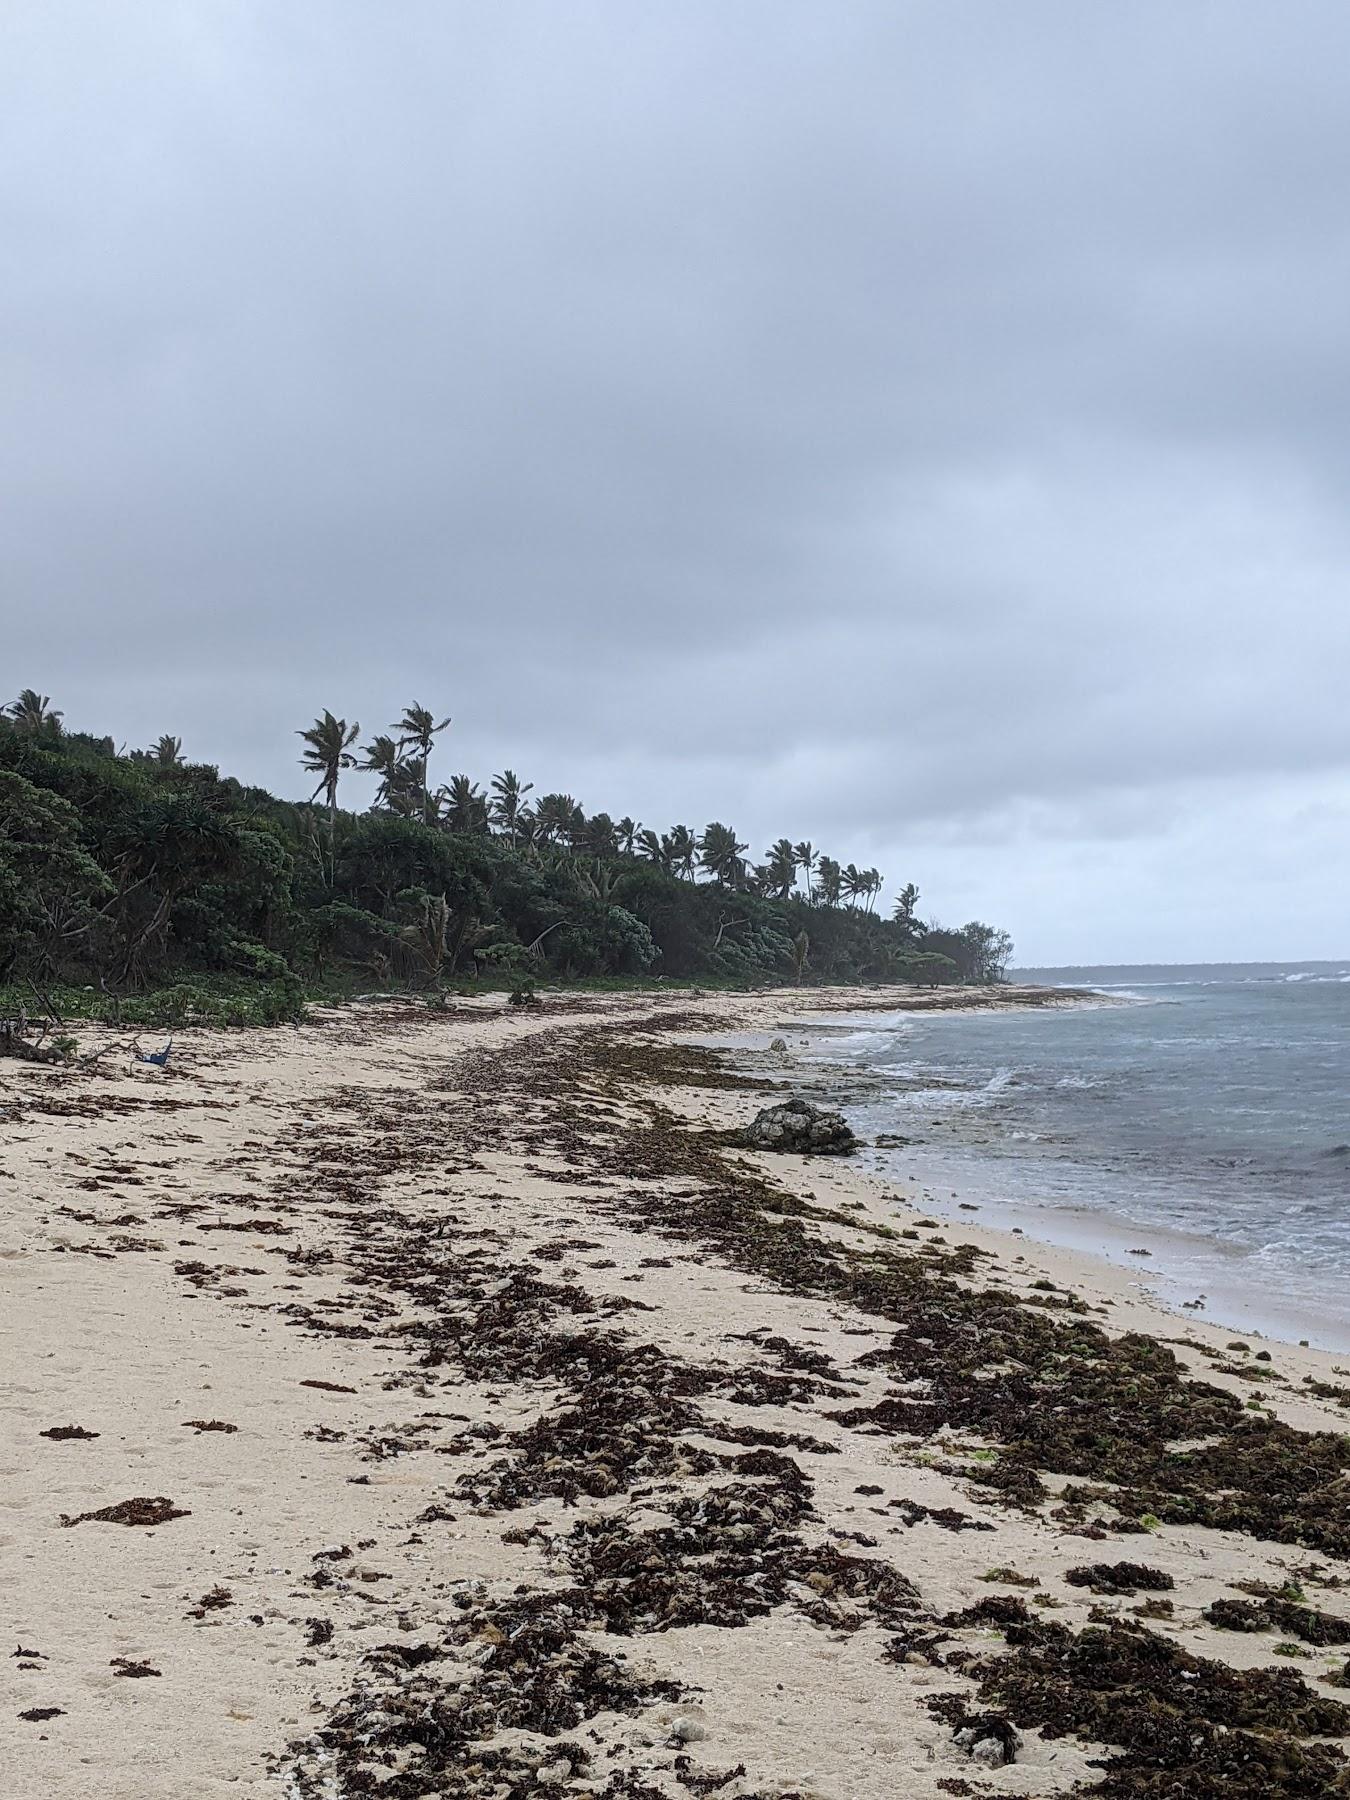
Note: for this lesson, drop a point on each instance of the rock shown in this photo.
(797, 1126)
(779, 1044)
(688, 1731)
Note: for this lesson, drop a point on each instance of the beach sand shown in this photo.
(509, 1432)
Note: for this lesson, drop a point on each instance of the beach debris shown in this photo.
(63, 1434)
(140, 1511)
(1012, 1577)
(1181, 1724)
(796, 1126)
(37, 1714)
(200, 1425)
(1119, 1578)
(989, 1739)
(215, 1599)
(123, 1665)
(329, 1387)
(1276, 1613)
(15, 1041)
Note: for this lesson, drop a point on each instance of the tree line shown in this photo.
(129, 870)
(401, 759)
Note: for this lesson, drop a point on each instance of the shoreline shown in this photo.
(461, 1369)
(1173, 1267)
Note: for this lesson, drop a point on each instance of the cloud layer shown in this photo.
(917, 427)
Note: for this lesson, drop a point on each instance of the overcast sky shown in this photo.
(919, 427)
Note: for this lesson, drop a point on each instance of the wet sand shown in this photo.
(503, 1429)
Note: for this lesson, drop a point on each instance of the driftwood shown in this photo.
(14, 1043)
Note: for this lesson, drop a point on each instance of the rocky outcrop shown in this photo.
(802, 1129)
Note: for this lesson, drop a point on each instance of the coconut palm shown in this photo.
(397, 781)
(852, 881)
(681, 851)
(829, 881)
(326, 754)
(168, 752)
(33, 712)
(627, 830)
(720, 852)
(418, 729)
(805, 859)
(508, 798)
(464, 806)
(556, 816)
(597, 836)
(780, 870)
(649, 846)
(905, 904)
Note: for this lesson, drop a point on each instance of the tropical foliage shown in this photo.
(134, 871)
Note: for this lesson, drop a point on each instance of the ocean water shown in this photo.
(1203, 1113)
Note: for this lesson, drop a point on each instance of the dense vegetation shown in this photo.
(127, 874)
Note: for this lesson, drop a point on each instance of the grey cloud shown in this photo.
(906, 426)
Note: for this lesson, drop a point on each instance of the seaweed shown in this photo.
(1275, 1614)
(1119, 1578)
(141, 1511)
(1187, 1726)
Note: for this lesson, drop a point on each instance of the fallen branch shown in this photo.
(14, 1043)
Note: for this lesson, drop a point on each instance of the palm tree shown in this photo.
(852, 881)
(627, 830)
(326, 754)
(419, 728)
(168, 752)
(597, 836)
(508, 793)
(33, 712)
(780, 871)
(903, 914)
(829, 880)
(680, 848)
(719, 851)
(650, 846)
(555, 815)
(465, 806)
(872, 879)
(805, 859)
(383, 758)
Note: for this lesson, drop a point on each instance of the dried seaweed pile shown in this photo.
(1193, 1728)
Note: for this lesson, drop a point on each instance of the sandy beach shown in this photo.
(426, 1402)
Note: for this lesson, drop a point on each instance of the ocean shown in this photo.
(1201, 1113)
